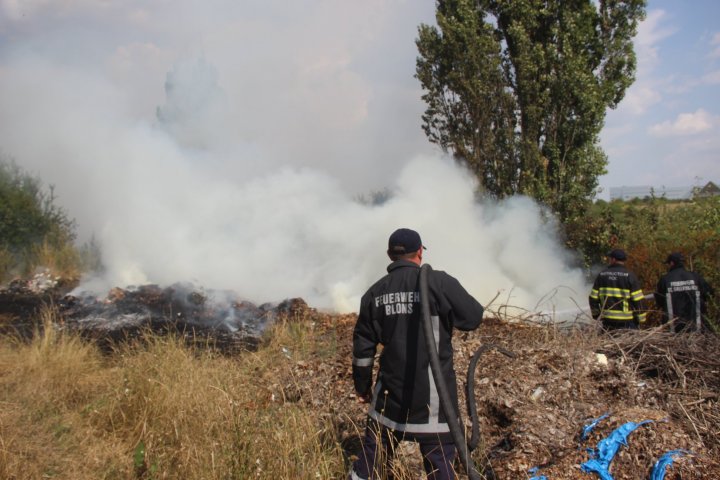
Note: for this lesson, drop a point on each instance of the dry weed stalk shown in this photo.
(688, 366)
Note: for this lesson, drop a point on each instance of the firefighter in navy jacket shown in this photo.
(404, 403)
(682, 295)
(616, 296)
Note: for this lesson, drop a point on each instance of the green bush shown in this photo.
(649, 230)
(34, 231)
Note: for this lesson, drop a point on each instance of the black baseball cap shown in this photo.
(617, 254)
(404, 240)
(676, 257)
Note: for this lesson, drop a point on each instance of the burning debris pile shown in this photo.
(217, 318)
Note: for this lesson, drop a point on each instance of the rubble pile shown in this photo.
(535, 406)
(22, 300)
(688, 368)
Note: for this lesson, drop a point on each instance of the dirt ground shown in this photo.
(533, 407)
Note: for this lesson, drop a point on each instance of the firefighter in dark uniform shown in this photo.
(682, 295)
(404, 404)
(616, 297)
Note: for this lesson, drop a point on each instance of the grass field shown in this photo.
(159, 410)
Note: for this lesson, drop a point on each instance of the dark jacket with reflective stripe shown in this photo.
(682, 295)
(405, 397)
(616, 297)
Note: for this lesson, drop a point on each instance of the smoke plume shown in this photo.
(233, 150)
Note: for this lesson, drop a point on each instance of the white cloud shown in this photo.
(712, 78)
(645, 92)
(651, 31)
(715, 44)
(24, 10)
(639, 99)
(17, 9)
(685, 124)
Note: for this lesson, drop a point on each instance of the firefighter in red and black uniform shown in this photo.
(616, 297)
(404, 403)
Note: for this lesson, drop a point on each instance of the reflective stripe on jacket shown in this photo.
(404, 397)
(616, 296)
(682, 295)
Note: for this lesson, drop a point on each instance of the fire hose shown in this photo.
(464, 448)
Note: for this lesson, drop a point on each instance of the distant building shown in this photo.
(669, 193)
(709, 190)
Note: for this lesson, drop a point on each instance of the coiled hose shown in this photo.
(446, 403)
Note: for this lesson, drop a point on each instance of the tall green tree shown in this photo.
(518, 90)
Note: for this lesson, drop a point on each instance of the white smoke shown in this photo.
(296, 232)
(240, 167)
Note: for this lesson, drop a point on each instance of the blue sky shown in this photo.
(667, 129)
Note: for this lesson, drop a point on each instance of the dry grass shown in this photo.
(156, 410)
(62, 260)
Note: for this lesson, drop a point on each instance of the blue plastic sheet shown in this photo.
(539, 477)
(658, 471)
(606, 449)
(590, 426)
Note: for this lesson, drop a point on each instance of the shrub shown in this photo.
(34, 231)
(649, 230)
